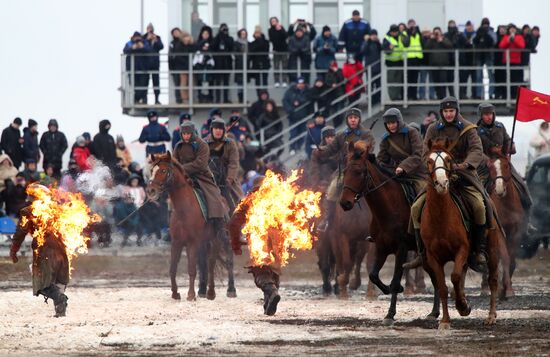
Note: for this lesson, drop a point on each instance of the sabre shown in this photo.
(133, 212)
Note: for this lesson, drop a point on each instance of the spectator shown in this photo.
(7, 171)
(484, 41)
(241, 48)
(133, 198)
(439, 59)
(196, 24)
(259, 59)
(155, 45)
(119, 173)
(458, 41)
(515, 43)
(122, 151)
(297, 106)
(371, 52)
(269, 116)
(104, 147)
(47, 177)
(334, 80)
(214, 113)
(430, 118)
(135, 168)
(541, 140)
(313, 139)
(237, 127)
(307, 28)
(174, 55)
(467, 60)
(353, 32)
(529, 44)
(426, 74)
(154, 134)
(498, 62)
(15, 195)
(30, 173)
(414, 58)
(68, 180)
(278, 38)
(136, 51)
(223, 43)
(30, 141)
(176, 134)
(181, 48)
(11, 142)
(325, 47)
(300, 50)
(318, 95)
(245, 126)
(393, 45)
(203, 62)
(81, 154)
(249, 160)
(352, 71)
(257, 108)
(53, 145)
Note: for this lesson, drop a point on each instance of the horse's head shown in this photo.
(355, 174)
(500, 171)
(162, 175)
(439, 164)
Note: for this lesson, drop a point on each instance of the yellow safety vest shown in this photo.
(415, 48)
(397, 53)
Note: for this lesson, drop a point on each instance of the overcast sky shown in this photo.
(61, 58)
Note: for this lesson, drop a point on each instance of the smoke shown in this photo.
(97, 182)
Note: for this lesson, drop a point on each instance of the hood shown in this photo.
(5, 157)
(103, 126)
(393, 112)
(54, 123)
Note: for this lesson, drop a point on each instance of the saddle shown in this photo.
(409, 190)
(201, 199)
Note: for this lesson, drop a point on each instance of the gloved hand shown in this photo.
(461, 166)
(13, 253)
(399, 171)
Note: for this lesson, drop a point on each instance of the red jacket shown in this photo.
(349, 70)
(81, 155)
(518, 43)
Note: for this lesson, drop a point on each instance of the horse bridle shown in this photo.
(165, 186)
(367, 177)
(447, 170)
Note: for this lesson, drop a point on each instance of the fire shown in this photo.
(279, 219)
(61, 215)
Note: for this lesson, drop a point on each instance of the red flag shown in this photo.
(531, 105)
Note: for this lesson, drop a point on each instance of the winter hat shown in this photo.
(328, 131)
(187, 127)
(184, 116)
(17, 121)
(234, 118)
(373, 32)
(32, 123)
(325, 29)
(354, 111)
(333, 64)
(214, 111)
(80, 141)
(152, 113)
(355, 13)
(217, 123)
(318, 114)
(30, 160)
(301, 80)
(87, 136)
(119, 139)
(394, 28)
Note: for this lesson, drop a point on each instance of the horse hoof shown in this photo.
(490, 321)
(343, 295)
(372, 295)
(388, 321)
(355, 284)
(432, 317)
(464, 311)
(408, 291)
(211, 295)
(400, 289)
(444, 326)
(231, 294)
(202, 295)
(176, 296)
(509, 293)
(191, 297)
(420, 291)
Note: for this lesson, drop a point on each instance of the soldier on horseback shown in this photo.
(193, 153)
(494, 137)
(338, 149)
(466, 148)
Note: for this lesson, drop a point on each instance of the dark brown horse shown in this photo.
(187, 225)
(446, 239)
(390, 218)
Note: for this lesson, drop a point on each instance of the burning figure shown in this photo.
(275, 217)
(55, 219)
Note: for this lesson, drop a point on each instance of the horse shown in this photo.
(507, 201)
(446, 239)
(390, 218)
(188, 227)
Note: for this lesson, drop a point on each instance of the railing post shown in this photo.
(190, 82)
(245, 79)
(405, 80)
(300, 68)
(132, 80)
(384, 83)
(508, 91)
(262, 136)
(369, 91)
(456, 82)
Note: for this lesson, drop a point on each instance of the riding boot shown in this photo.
(271, 299)
(479, 235)
(61, 305)
(417, 262)
(218, 224)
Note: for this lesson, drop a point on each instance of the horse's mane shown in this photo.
(362, 146)
(173, 161)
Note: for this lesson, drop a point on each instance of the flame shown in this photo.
(280, 218)
(60, 215)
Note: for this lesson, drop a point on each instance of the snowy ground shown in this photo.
(119, 303)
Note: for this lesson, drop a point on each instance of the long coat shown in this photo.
(194, 157)
(50, 264)
(339, 145)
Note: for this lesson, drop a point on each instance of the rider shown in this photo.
(401, 150)
(50, 266)
(224, 163)
(266, 277)
(467, 152)
(322, 169)
(338, 148)
(493, 135)
(193, 153)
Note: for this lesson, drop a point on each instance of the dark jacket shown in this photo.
(141, 62)
(325, 49)
(153, 60)
(220, 44)
(318, 95)
(11, 146)
(371, 52)
(484, 40)
(268, 118)
(335, 78)
(103, 145)
(53, 145)
(338, 148)
(178, 55)
(299, 46)
(467, 58)
(30, 145)
(352, 35)
(154, 134)
(256, 110)
(292, 95)
(278, 38)
(313, 139)
(309, 30)
(14, 197)
(439, 58)
(224, 164)
(260, 60)
(240, 47)
(493, 135)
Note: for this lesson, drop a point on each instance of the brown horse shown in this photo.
(390, 218)
(446, 239)
(507, 201)
(187, 224)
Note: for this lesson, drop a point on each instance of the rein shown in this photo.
(368, 177)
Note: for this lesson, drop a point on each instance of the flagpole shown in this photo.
(514, 125)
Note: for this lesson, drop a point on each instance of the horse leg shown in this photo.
(484, 285)
(493, 275)
(374, 274)
(395, 285)
(203, 250)
(439, 274)
(420, 285)
(372, 294)
(231, 291)
(458, 277)
(506, 258)
(175, 254)
(192, 258)
(436, 305)
(346, 265)
(212, 257)
(323, 255)
(360, 252)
